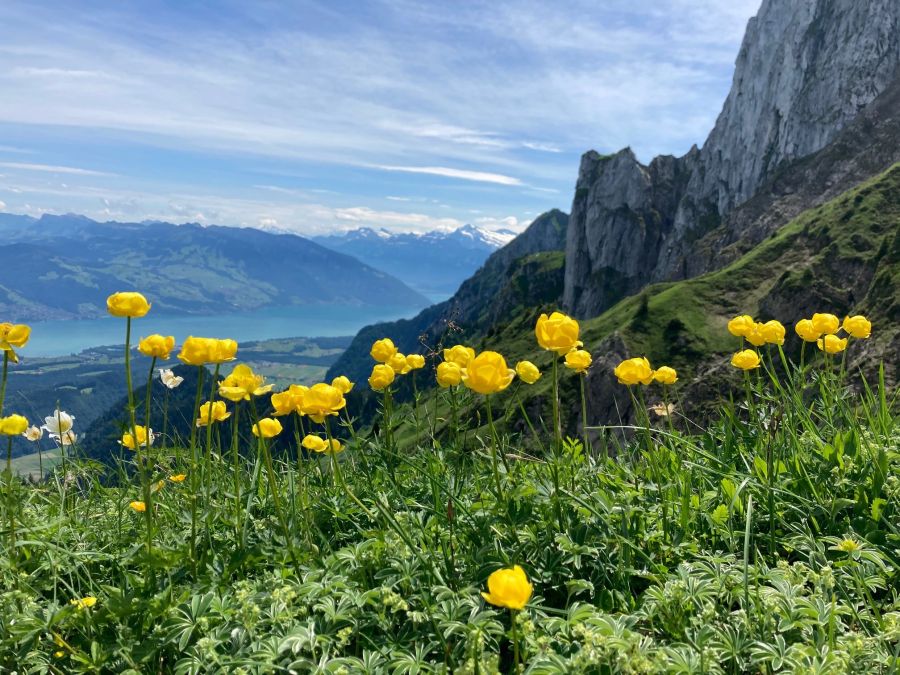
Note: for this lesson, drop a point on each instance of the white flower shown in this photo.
(67, 438)
(34, 434)
(168, 378)
(59, 423)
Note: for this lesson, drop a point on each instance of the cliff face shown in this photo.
(804, 71)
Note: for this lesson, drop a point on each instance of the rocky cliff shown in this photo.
(804, 71)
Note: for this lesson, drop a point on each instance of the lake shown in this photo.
(60, 338)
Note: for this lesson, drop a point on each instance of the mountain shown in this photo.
(433, 263)
(64, 267)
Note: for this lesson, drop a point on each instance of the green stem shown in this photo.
(3, 378)
(236, 468)
(494, 449)
(142, 458)
(587, 441)
(207, 465)
(9, 501)
(273, 488)
(515, 639)
(194, 486)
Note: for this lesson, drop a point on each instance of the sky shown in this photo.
(318, 116)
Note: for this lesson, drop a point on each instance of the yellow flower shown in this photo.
(13, 335)
(343, 383)
(13, 425)
(158, 485)
(449, 374)
(84, 603)
(858, 326)
(383, 350)
(128, 304)
(528, 372)
(755, 336)
(382, 376)
(825, 323)
(665, 375)
(223, 350)
(178, 478)
(140, 507)
(807, 331)
(142, 434)
(557, 333)
(578, 360)
(314, 443)
(415, 361)
(634, 371)
(739, 326)
(398, 364)
(508, 587)
(197, 351)
(745, 360)
(832, 344)
(459, 354)
(322, 400)
(289, 400)
(268, 427)
(487, 373)
(773, 332)
(157, 346)
(243, 383)
(219, 413)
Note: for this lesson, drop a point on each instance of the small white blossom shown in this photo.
(59, 423)
(168, 378)
(34, 434)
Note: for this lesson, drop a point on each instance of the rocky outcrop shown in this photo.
(805, 70)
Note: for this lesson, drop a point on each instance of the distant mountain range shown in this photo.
(434, 263)
(64, 267)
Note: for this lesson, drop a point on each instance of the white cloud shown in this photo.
(479, 176)
(47, 168)
(2, 205)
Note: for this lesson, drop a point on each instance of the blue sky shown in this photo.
(316, 116)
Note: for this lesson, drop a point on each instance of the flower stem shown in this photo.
(194, 486)
(3, 378)
(142, 458)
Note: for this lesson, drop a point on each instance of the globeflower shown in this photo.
(508, 587)
(243, 383)
(219, 413)
(322, 400)
(634, 371)
(13, 425)
(84, 603)
(807, 331)
(858, 326)
(138, 506)
(825, 323)
(289, 400)
(314, 443)
(739, 326)
(578, 360)
(382, 376)
(528, 372)
(142, 433)
(398, 364)
(343, 383)
(773, 332)
(459, 354)
(487, 373)
(169, 378)
(267, 427)
(415, 361)
(127, 305)
(449, 374)
(756, 335)
(198, 351)
(157, 346)
(832, 344)
(13, 335)
(178, 478)
(745, 360)
(557, 333)
(383, 349)
(665, 375)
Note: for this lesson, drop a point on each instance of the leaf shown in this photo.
(877, 503)
(720, 515)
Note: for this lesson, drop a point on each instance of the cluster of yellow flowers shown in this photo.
(637, 370)
(390, 363)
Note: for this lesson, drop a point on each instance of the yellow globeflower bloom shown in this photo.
(285, 402)
(322, 400)
(807, 331)
(13, 335)
(528, 372)
(665, 375)
(382, 376)
(858, 326)
(459, 354)
(219, 413)
(13, 425)
(508, 587)
(383, 350)
(832, 344)
(755, 336)
(773, 332)
(343, 383)
(157, 346)
(268, 427)
(142, 433)
(223, 350)
(634, 371)
(84, 603)
(739, 326)
(745, 360)
(243, 383)
(415, 361)
(314, 443)
(138, 506)
(487, 373)
(398, 364)
(178, 478)
(557, 333)
(128, 304)
(578, 360)
(449, 374)
(825, 323)
(197, 351)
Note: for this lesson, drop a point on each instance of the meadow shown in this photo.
(442, 539)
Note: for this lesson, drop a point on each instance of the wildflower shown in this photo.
(528, 372)
(59, 423)
(665, 375)
(322, 400)
(745, 360)
(508, 587)
(219, 413)
(288, 401)
(157, 346)
(145, 437)
(741, 325)
(415, 361)
(857, 326)
(825, 323)
(382, 376)
(449, 374)
(267, 427)
(129, 304)
(169, 379)
(773, 332)
(807, 331)
(832, 344)
(662, 410)
(197, 351)
(33, 434)
(487, 373)
(557, 333)
(13, 425)
(243, 383)
(158, 485)
(398, 364)
(13, 335)
(847, 545)
(634, 371)
(84, 603)
(64, 439)
(459, 354)
(314, 443)
(178, 478)
(343, 383)
(138, 506)
(756, 335)
(383, 349)
(578, 360)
